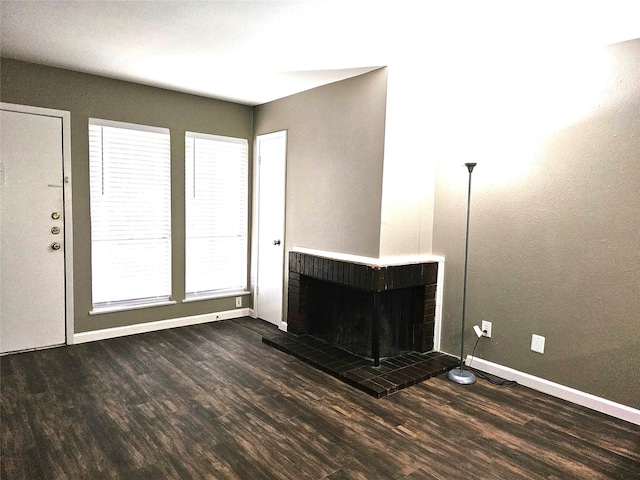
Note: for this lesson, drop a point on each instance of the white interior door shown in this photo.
(32, 268)
(271, 151)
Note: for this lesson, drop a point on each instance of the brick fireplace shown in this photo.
(372, 310)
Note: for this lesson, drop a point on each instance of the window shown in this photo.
(216, 209)
(130, 181)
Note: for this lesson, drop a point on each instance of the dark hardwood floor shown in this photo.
(212, 401)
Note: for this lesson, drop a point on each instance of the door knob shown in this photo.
(276, 242)
(55, 215)
(55, 246)
(55, 230)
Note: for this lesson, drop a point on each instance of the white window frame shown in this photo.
(149, 283)
(201, 226)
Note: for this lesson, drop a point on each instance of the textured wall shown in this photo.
(92, 96)
(409, 161)
(334, 163)
(555, 220)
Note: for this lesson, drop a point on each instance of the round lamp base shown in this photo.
(463, 377)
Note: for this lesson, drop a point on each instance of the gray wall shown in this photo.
(555, 247)
(92, 96)
(334, 163)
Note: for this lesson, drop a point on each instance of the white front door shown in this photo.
(32, 251)
(271, 150)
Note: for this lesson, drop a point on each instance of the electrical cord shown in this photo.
(490, 378)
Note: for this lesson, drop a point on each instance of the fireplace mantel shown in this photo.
(372, 261)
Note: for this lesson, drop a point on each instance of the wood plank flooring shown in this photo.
(212, 401)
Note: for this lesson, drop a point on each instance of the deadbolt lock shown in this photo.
(55, 246)
(55, 215)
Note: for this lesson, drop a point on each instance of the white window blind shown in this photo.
(216, 210)
(130, 181)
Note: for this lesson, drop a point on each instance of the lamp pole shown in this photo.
(459, 375)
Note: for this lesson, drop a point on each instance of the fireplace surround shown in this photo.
(373, 310)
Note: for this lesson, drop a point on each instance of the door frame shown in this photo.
(65, 116)
(256, 227)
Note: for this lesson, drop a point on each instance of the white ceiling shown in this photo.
(252, 52)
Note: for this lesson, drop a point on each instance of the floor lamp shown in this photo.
(458, 374)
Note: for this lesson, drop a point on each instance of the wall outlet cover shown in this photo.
(486, 326)
(537, 343)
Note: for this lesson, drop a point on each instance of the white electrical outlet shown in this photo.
(486, 327)
(238, 301)
(537, 343)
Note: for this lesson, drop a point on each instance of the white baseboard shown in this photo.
(159, 325)
(598, 404)
(282, 326)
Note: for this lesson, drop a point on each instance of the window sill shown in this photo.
(215, 295)
(123, 308)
